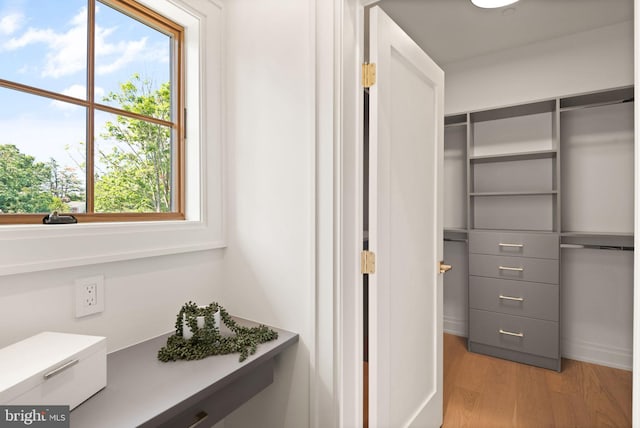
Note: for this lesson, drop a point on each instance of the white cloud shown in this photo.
(127, 52)
(11, 23)
(31, 36)
(67, 49)
(76, 91)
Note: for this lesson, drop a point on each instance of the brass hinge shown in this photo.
(368, 75)
(368, 262)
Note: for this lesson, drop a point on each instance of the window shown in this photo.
(34, 247)
(92, 112)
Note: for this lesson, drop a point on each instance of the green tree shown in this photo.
(133, 172)
(64, 182)
(23, 182)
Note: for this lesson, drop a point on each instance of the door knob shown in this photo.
(445, 268)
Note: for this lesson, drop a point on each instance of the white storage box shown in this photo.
(53, 369)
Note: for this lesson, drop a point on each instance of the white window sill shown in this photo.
(32, 248)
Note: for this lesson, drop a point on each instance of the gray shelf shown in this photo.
(514, 111)
(508, 157)
(543, 192)
(455, 235)
(453, 125)
(455, 230)
(542, 232)
(142, 391)
(455, 120)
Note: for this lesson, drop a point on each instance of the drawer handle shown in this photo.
(511, 245)
(516, 299)
(200, 418)
(510, 333)
(511, 268)
(60, 369)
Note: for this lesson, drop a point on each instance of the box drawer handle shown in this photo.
(510, 333)
(511, 268)
(60, 369)
(516, 299)
(511, 245)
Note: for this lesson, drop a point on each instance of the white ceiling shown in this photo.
(451, 30)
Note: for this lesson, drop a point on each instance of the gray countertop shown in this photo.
(141, 390)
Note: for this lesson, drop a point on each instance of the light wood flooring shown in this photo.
(481, 391)
(487, 392)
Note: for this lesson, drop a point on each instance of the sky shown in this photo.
(43, 44)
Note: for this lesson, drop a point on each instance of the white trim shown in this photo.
(324, 403)
(349, 306)
(596, 353)
(635, 409)
(455, 326)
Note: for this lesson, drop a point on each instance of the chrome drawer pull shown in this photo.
(200, 418)
(511, 269)
(517, 299)
(510, 333)
(60, 369)
(511, 245)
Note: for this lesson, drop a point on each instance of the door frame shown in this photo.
(635, 407)
(349, 55)
(343, 403)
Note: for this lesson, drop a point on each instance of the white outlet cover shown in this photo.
(82, 308)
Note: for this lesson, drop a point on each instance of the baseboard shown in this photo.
(596, 353)
(455, 326)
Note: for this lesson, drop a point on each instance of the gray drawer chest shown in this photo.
(514, 296)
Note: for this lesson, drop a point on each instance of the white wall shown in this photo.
(583, 62)
(142, 298)
(270, 152)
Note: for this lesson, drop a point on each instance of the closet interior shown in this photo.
(538, 203)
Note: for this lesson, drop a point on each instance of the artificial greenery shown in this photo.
(208, 341)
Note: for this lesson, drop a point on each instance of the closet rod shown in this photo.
(597, 247)
(455, 240)
(600, 104)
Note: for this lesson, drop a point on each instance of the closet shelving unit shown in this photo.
(532, 179)
(597, 137)
(455, 224)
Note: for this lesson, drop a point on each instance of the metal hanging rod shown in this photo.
(455, 240)
(597, 104)
(597, 247)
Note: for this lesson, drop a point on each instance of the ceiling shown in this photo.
(451, 30)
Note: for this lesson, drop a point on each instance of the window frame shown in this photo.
(26, 248)
(140, 12)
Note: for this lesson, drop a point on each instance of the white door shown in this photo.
(406, 120)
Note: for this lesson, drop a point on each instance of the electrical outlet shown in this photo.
(89, 295)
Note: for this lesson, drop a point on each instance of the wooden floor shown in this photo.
(481, 391)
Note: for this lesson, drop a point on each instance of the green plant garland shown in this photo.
(208, 341)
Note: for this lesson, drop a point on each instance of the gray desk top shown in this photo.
(139, 387)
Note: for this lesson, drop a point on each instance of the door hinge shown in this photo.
(368, 75)
(368, 262)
